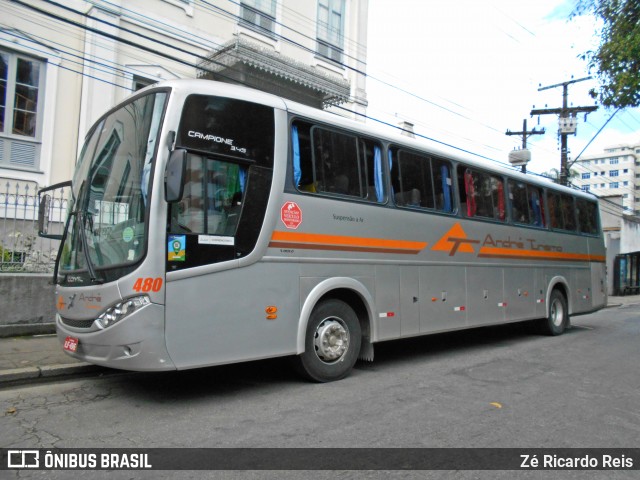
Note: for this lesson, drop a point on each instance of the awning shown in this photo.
(244, 62)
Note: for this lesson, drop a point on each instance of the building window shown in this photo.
(21, 102)
(625, 184)
(331, 29)
(585, 188)
(259, 15)
(595, 174)
(586, 176)
(140, 82)
(626, 170)
(613, 185)
(613, 161)
(613, 173)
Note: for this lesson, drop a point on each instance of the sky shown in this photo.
(465, 71)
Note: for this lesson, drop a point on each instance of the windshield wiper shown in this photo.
(85, 248)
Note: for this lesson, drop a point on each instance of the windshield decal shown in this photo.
(177, 248)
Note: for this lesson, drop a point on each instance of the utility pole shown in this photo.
(525, 135)
(568, 122)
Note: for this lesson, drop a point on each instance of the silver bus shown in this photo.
(212, 224)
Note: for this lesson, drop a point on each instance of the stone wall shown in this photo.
(27, 304)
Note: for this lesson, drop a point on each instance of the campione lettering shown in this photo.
(209, 137)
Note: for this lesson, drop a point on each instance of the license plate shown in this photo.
(70, 344)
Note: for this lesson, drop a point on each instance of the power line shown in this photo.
(193, 65)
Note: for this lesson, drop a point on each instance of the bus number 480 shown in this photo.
(148, 284)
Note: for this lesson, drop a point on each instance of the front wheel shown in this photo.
(332, 342)
(558, 319)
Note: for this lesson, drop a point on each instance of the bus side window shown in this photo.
(421, 181)
(338, 167)
(537, 207)
(302, 158)
(519, 203)
(442, 185)
(212, 198)
(470, 189)
(555, 212)
(481, 194)
(587, 216)
(371, 154)
(568, 212)
(497, 192)
(188, 214)
(412, 173)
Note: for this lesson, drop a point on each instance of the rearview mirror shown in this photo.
(43, 215)
(174, 176)
(44, 210)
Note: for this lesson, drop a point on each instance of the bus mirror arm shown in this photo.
(174, 176)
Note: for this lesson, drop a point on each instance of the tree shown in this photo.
(616, 61)
(554, 175)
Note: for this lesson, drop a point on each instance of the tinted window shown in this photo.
(337, 168)
(561, 211)
(481, 194)
(336, 163)
(587, 216)
(212, 198)
(421, 181)
(240, 129)
(526, 204)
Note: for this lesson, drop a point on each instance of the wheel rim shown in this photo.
(331, 340)
(557, 313)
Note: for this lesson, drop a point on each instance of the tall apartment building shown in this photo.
(613, 172)
(63, 64)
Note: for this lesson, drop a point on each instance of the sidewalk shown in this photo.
(38, 356)
(41, 356)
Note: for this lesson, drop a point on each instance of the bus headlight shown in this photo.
(121, 310)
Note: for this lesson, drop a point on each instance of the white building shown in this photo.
(62, 65)
(614, 172)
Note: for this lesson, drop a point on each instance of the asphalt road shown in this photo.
(491, 387)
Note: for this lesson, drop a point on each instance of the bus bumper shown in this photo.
(135, 343)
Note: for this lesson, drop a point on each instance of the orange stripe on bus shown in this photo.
(340, 242)
(537, 254)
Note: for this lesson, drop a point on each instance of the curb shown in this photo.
(49, 371)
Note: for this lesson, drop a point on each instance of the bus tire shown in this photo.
(558, 319)
(332, 342)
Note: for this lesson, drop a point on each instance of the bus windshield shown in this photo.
(107, 220)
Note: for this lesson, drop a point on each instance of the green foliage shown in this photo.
(554, 175)
(5, 255)
(616, 62)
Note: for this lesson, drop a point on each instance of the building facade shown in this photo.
(613, 175)
(613, 172)
(62, 65)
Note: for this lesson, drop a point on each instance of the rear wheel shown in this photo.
(558, 319)
(332, 342)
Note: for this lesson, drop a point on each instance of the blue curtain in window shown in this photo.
(297, 171)
(535, 206)
(242, 175)
(378, 178)
(446, 187)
